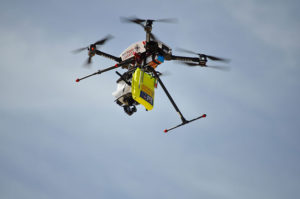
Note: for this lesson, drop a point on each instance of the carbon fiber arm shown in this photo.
(186, 59)
(117, 59)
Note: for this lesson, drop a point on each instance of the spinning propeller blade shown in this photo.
(167, 20)
(223, 68)
(186, 51)
(191, 64)
(89, 60)
(132, 20)
(146, 23)
(140, 21)
(92, 48)
(102, 41)
(79, 50)
(214, 58)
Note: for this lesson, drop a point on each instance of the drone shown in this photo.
(137, 85)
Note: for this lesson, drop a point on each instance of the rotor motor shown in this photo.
(92, 50)
(202, 60)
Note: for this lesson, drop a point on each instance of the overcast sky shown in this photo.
(61, 139)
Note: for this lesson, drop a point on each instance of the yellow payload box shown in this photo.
(142, 88)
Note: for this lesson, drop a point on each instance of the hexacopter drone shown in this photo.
(137, 85)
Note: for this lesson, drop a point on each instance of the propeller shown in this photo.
(92, 48)
(147, 23)
(140, 21)
(191, 64)
(214, 58)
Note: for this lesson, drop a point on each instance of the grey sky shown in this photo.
(59, 139)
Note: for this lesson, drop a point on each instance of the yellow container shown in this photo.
(142, 88)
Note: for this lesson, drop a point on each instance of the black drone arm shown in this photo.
(117, 59)
(123, 63)
(186, 59)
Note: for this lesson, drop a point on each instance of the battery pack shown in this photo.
(155, 61)
(142, 87)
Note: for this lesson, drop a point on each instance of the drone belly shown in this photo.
(138, 47)
(143, 86)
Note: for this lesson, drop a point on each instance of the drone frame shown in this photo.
(201, 61)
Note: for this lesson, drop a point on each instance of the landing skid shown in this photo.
(184, 123)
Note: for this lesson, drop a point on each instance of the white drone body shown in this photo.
(123, 89)
(139, 47)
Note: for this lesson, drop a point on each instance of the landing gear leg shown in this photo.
(183, 120)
